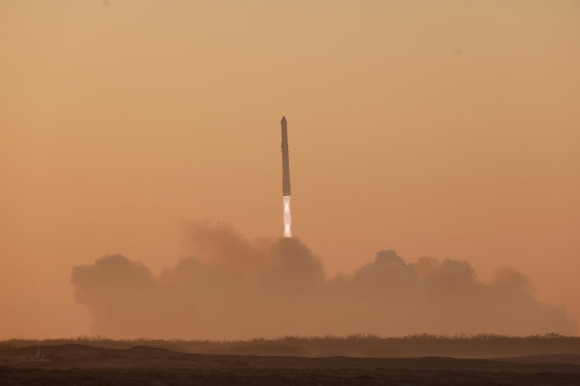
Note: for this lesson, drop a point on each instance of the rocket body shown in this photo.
(285, 160)
(286, 180)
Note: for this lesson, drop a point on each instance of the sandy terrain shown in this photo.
(86, 365)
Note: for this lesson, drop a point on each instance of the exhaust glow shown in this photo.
(287, 217)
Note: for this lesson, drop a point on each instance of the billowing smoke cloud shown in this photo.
(234, 288)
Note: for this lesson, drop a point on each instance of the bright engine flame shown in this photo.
(287, 217)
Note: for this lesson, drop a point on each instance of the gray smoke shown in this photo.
(233, 288)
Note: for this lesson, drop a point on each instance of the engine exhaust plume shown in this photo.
(286, 180)
(287, 217)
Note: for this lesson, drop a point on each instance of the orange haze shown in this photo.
(447, 129)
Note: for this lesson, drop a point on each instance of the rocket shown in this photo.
(286, 180)
(285, 160)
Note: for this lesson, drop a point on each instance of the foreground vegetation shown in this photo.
(474, 346)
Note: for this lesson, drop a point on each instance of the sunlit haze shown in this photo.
(140, 167)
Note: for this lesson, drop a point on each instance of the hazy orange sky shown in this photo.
(435, 128)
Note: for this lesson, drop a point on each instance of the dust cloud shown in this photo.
(234, 288)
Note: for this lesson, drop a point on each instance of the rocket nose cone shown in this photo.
(283, 119)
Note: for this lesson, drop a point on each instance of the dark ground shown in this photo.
(75, 364)
(273, 377)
